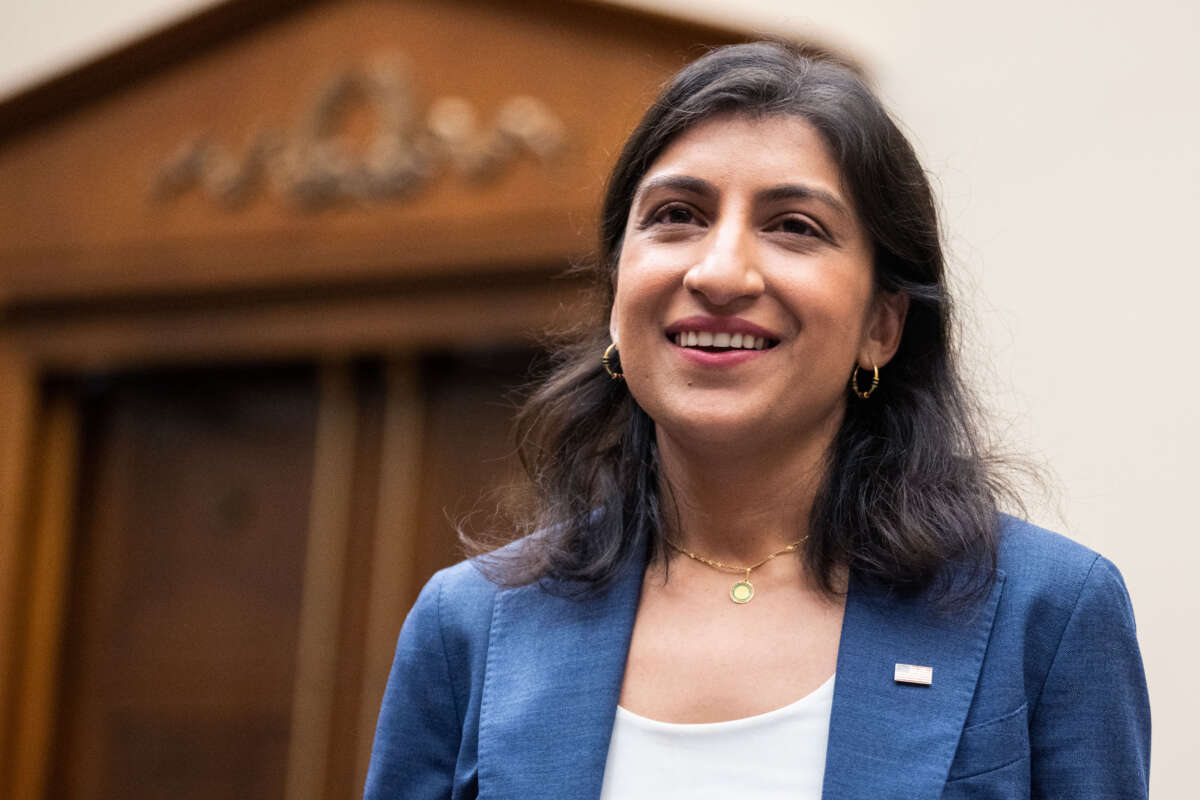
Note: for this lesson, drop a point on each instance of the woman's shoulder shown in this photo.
(1025, 546)
(1046, 569)
(447, 630)
(461, 598)
(458, 597)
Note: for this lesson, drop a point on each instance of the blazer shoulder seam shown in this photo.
(1062, 634)
(445, 657)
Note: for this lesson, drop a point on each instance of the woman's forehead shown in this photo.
(740, 148)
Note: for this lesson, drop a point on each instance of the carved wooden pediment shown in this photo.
(316, 165)
(326, 143)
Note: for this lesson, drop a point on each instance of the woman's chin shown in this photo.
(736, 431)
(720, 432)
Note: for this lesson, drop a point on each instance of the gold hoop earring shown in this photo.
(874, 382)
(610, 356)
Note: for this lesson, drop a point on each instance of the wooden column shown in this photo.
(53, 520)
(18, 393)
(324, 575)
(392, 565)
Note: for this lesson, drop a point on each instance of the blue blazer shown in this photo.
(1039, 691)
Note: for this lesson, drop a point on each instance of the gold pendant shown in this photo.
(742, 592)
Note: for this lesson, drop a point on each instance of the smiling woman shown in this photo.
(766, 556)
(739, 229)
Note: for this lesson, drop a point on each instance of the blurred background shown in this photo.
(269, 272)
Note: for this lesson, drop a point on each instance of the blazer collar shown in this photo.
(889, 739)
(555, 667)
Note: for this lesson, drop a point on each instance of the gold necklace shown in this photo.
(743, 591)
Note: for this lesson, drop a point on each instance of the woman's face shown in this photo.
(744, 291)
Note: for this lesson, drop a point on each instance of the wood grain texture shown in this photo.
(392, 577)
(471, 314)
(47, 591)
(18, 398)
(324, 576)
(182, 634)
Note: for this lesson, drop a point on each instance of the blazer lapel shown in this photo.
(889, 739)
(553, 678)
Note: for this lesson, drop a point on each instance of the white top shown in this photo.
(774, 755)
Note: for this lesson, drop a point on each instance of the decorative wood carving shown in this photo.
(317, 165)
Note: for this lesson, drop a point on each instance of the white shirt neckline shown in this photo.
(814, 697)
(776, 755)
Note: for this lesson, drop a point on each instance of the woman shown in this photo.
(751, 575)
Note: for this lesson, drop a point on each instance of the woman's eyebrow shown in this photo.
(685, 183)
(800, 191)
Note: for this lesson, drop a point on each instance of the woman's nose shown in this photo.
(728, 269)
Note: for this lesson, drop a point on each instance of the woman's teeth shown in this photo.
(733, 341)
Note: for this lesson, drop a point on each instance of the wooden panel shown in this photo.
(86, 223)
(53, 525)
(183, 626)
(391, 567)
(419, 317)
(469, 450)
(434, 439)
(324, 577)
(18, 393)
(193, 666)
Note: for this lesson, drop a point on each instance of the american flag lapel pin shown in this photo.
(914, 674)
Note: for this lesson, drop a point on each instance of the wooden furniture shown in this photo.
(265, 278)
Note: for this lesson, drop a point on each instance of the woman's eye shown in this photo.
(675, 215)
(798, 226)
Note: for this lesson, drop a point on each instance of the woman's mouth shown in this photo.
(721, 342)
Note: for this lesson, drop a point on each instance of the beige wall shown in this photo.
(1063, 136)
(40, 38)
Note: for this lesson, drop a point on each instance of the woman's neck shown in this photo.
(739, 505)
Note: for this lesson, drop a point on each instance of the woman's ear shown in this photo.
(884, 330)
(612, 324)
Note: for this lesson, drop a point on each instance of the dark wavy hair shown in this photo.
(908, 487)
